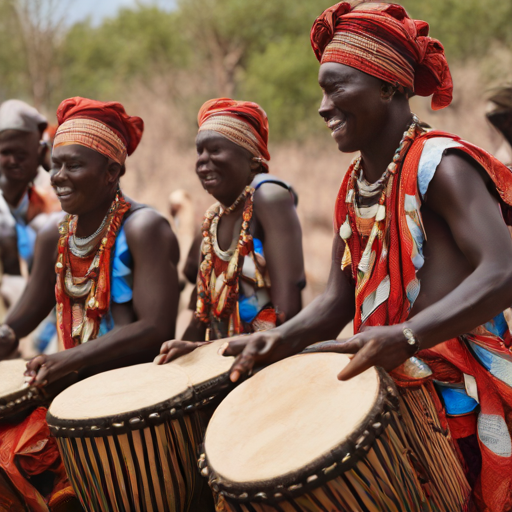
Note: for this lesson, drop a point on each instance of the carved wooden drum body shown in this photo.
(295, 439)
(129, 437)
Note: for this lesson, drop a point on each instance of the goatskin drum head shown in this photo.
(287, 416)
(12, 379)
(119, 391)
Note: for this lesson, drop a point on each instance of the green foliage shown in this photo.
(283, 80)
(467, 28)
(256, 50)
(100, 61)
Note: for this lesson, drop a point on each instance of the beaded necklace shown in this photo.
(225, 301)
(83, 301)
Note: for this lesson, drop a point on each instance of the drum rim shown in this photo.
(17, 401)
(321, 470)
(188, 401)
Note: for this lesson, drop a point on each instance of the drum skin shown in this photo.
(129, 438)
(303, 441)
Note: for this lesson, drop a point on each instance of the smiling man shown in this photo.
(115, 260)
(422, 258)
(21, 203)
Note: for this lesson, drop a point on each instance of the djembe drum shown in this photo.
(293, 438)
(129, 437)
(16, 397)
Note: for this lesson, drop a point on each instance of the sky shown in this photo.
(97, 10)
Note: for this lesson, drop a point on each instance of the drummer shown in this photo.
(100, 244)
(421, 252)
(252, 268)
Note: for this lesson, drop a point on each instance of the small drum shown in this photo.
(129, 437)
(16, 397)
(295, 439)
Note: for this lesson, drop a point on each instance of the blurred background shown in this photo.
(163, 59)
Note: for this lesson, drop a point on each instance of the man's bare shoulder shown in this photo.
(269, 192)
(147, 229)
(458, 177)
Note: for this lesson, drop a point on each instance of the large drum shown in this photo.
(129, 437)
(295, 439)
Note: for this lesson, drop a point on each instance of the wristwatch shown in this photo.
(411, 339)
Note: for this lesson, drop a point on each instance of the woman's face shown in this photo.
(223, 167)
(82, 178)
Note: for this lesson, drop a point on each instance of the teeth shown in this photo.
(334, 123)
(63, 190)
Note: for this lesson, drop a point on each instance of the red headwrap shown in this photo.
(381, 40)
(242, 122)
(102, 126)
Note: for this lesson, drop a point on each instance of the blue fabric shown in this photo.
(121, 279)
(498, 325)
(258, 246)
(248, 308)
(121, 286)
(26, 241)
(456, 400)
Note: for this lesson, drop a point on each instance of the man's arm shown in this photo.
(38, 298)
(155, 302)
(323, 319)
(459, 195)
(277, 216)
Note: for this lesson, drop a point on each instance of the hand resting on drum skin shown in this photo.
(376, 346)
(46, 369)
(173, 349)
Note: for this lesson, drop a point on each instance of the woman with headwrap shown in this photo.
(252, 271)
(110, 270)
(422, 258)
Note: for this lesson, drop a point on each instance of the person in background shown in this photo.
(252, 269)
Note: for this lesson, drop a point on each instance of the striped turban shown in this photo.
(104, 127)
(381, 40)
(242, 122)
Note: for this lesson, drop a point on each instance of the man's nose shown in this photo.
(326, 107)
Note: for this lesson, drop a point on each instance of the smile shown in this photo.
(63, 191)
(335, 124)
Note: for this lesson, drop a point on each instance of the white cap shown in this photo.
(18, 115)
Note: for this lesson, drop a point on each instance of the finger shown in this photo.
(165, 347)
(244, 363)
(324, 346)
(233, 348)
(42, 376)
(34, 364)
(359, 363)
(350, 346)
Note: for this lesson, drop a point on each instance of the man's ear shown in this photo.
(387, 91)
(114, 171)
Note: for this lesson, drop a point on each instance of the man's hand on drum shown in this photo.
(176, 348)
(384, 346)
(46, 369)
(262, 347)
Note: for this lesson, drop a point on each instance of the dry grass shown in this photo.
(165, 160)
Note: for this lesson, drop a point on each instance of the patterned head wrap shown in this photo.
(381, 40)
(242, 122)
(104, 127)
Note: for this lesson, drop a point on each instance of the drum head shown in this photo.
(204, 364)
(120, 391)
(12, 379)
(287, 417)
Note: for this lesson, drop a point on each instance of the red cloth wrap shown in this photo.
(128, 128)
(248, 112)
(493, 491)
(394, 48)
